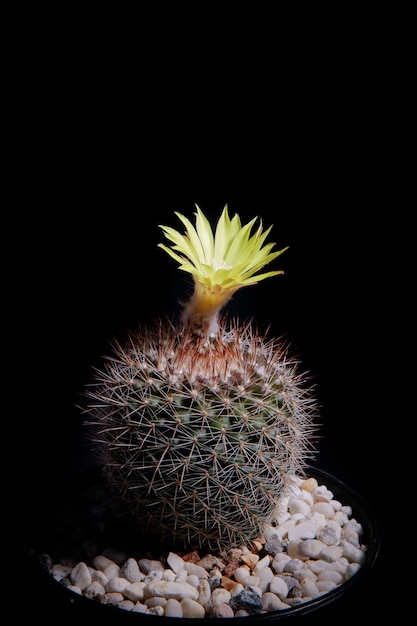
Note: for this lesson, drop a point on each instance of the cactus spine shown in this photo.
(202, 426)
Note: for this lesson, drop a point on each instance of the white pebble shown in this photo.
(99, 576)
(112, 570)
(331, 553)
(302, 574)
(101, 562)
(204, 592)
(173, 608)
(317, 566)
(126, 605)
(261, 565)
(297, 505)
(309, 588)
(111, 598)
(155, 601)
(241, 574)
(221, 610)
(292, 565)
(191, 608)
(330, 533)
(311, 548)
(181, 576)
(331, 575)
(135, 591)
(325, 585)
(193, 580)
(265, 577)
(151, 565)
(351, 569)
(176, 563)
(80, 576)
(341, 518)
(220, 595)
(168, 589)
(353, 554)
(59, 571)
(271, 602)
(169, 575)
(310, 484)
(195, 570)
(279, 587)
(94, 590)
(324, 508)
(139, 608)
(117, 584)
(279, 562)
(155, 610)
(130, 570)
(302, 530)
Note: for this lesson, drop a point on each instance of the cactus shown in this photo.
(202, 425)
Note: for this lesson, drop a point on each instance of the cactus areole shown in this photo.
(202, 425)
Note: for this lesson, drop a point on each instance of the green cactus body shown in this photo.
(200, 437)
(202, 426)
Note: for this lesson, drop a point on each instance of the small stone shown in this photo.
(81, 576)
(297, 505)
(155, 610)
(111, 598)
(331, 575)
(151, 565)
(173, 608)
(271, 602)
(135, 591)
(353, 554)
(195, 570)
(331, 553)
(310, 484)
(176, 563)
(139, 608)
(155, 601)
(191, 608)
(59, 571)
(116, 584)
(221, 610)
(278, 587)
(324, 508)
(176, 590)
(101, 562)
(204, 592)
(127, 605)
(112, 570)
(94, 590)
(210, 562)
(130, 570)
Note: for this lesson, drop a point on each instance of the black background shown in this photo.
(97, 270)
(103, 159)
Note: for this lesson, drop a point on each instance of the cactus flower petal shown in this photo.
(230, 258)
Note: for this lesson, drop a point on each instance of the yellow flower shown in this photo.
(223, 262)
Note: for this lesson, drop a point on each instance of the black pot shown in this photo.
(53, 520)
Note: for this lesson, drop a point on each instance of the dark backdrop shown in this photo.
(95, 270)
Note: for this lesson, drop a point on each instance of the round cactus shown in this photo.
(202, 426)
